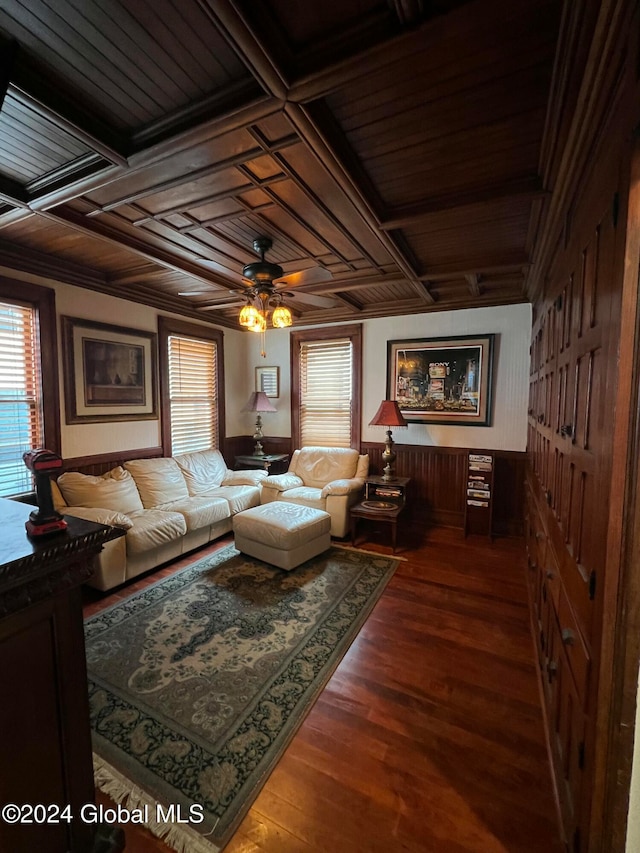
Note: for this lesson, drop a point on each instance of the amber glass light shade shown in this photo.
(281, 317)
(248, 316)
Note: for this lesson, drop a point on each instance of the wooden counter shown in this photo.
(44, 713)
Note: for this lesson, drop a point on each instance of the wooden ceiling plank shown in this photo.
(107, 233)
(473, 280)
(37, 91)
(212, 199)
(315, 139)
(524, 188)
(488, 264)
(8, 56)
(249, 47)
(215, 168)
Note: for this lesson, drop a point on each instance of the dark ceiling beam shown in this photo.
(49, 103)
(41, 265)
(7, 62)
(248, 46)
(243, 116)
(109, 234)
(526, 188)
(13, 193)
(139, 274)
(210, 199)
(487, 264)
(196, 175)
(316, 140)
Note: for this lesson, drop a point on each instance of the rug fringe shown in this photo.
(179, 837)
(371, 553)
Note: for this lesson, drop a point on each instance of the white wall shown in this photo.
(88, 439)
(510, 323)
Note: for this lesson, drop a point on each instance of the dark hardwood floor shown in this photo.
(429, 736)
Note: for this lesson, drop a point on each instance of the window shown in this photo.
(25, 409)
(326, 386)
(190, 364)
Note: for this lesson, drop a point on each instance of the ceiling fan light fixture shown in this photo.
(249, 316)
(281, 317)
(260, 323)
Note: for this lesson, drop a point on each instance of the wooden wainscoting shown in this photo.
(438, 484)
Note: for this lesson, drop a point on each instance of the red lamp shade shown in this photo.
(388, 414)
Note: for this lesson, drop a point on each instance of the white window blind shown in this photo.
(192, 394)
(326, 393)
(21, 419)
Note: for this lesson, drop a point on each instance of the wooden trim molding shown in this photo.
(354, 333)
(44, 300)
(170, 326)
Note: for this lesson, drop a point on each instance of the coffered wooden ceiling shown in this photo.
(404, 146)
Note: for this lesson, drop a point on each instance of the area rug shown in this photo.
(198, 683)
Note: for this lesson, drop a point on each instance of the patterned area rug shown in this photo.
(198, 683)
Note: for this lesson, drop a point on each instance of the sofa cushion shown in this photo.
(59, 502)
(100, 516)
(159, 481)
(153, 528)
(199, 511)
(238, 497)
(305, 496)
(114, 490)
(318, 466)
(202, 470)
(248, 477)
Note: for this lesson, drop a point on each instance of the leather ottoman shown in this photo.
(282, 534)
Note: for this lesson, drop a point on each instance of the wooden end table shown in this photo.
(384, 501)
(280, 462)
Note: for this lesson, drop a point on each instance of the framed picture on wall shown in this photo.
(268, 380)
(442, 380)
(109, 372)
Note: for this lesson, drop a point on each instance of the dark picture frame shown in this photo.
(447, 380)
(110, 372)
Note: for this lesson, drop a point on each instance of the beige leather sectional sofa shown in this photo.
(168, 506)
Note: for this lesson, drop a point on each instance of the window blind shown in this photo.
(192, 394)
(326, 393)
(21, 418)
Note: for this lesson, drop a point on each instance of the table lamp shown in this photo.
(259, 402)
(388, 415)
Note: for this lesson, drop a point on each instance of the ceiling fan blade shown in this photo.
(314, 275)
(220, 305)
(310, 298)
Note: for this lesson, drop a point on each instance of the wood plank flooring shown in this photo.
(429, 736)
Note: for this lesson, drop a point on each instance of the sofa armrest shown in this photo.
(99, 516)
(282, 482)
(250, 477)
(343, 487)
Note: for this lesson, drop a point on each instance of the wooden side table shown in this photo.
(279, 461)
(384, 501)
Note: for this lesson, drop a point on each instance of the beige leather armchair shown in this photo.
(327, 478)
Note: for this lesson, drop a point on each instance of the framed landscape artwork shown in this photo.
(110, 372)
(442, 380)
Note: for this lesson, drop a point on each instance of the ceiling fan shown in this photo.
(266, 285)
